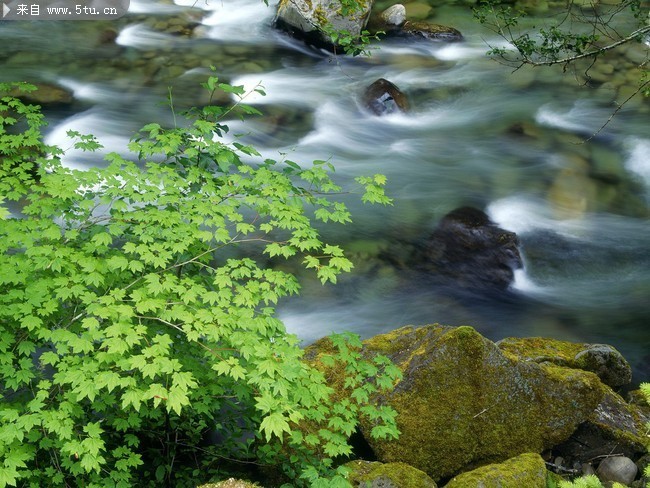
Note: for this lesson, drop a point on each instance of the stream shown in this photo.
(526, 146)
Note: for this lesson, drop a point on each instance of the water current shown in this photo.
(517, 144)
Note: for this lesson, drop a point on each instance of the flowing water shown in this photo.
(515, 143)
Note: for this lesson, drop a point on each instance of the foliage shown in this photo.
(579, 33)
(136, 304)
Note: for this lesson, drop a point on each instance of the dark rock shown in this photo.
(383, 97)
(614, 427)
(470, 249)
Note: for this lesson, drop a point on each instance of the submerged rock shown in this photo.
(462, 402)
(526, 470)
(383, 97)
(305, 19)
(390, 475)
(471, 250)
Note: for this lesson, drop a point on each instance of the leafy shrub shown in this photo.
(136, 318)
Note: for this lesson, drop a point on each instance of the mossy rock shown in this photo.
(526, 470)
(463, 403)
(601, 359)
(613, 427)
(231, 483)
(366, 474)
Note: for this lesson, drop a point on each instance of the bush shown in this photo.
(136, 318)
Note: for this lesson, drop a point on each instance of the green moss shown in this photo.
(601, 359)
(231, 483)
(527, 470)
(541, 349)
(463, 402)
(364, 473)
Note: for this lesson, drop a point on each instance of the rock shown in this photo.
(46, 94)
(614, 427)
(434, 32)
(601, 359)
(231, 483)
(418, 11)
(471, 250)
(305, 19)
(390, 475)
(383, 97)
(620, 469)
(394, 17)
(526, 470)
(462, 402)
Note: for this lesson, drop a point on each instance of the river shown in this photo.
(517, 144)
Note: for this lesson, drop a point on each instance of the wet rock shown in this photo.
(462, 402)
(429, 31)
(471, 250)
(383, 97)
(526, 470)
(573, 192)
(619, 469)
(601, 359)
(390, 475)
(305, 19)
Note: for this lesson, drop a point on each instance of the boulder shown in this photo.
(470, 250)
(463, 403)
(231, 483)
(368, 474)
(526, 470)
(306, 19)
(425, 30)
(383, 97)
(602, 359)
(614, 427)
(45, 94)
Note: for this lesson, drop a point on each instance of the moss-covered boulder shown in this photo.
(231, 483)
(368, 474)
(602, 359)
(463, 403)
(526, 470)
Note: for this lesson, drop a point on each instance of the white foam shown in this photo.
(142, 37)
(90, 122)
(638, 160)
